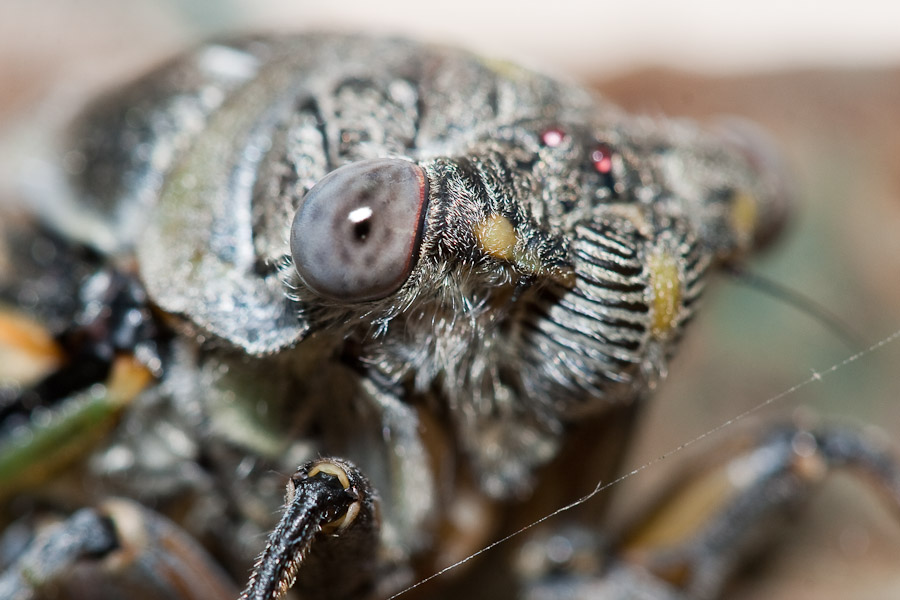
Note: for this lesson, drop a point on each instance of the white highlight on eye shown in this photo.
(360, 214)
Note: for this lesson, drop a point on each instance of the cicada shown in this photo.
(444, 286)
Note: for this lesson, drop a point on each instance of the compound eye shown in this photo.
(356, 236)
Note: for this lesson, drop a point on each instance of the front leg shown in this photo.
(326, 540)
(351, 525)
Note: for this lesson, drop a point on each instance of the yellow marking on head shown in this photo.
(666, 286)
(496, 237)
(744, 216)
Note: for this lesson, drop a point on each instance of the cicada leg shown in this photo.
(33, 450)
(326, 540)
(119, 550)
(708, 523)
(78, 342)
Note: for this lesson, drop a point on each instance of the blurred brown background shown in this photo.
(819, 75)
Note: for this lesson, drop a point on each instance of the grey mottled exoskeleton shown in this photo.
(432, 267)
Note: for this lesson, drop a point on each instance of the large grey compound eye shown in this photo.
(356, 236)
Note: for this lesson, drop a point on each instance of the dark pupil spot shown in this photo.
(362, 229)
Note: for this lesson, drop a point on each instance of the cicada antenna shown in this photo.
(832, 322)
